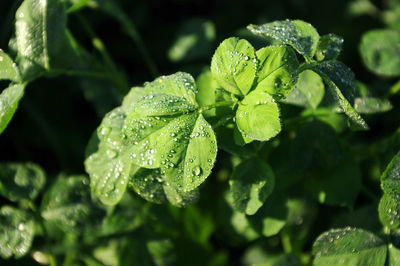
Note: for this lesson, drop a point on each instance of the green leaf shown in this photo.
(329, 47)
(272, 216)
(276, 70)
(180, 198)
(251, 183)
(148, 184)
(9, 99)
(69, 205)
(165, 130)
(257, 256)
(301, 35)
(16, 232)
(19, 181)
(390, 179)
(340, 82)
(40, 31)
(371, 105)
(8, 69)
(207, 87)
(394, 255)
(234, 65)
(380, 51)
(107, 165)
(308, 92)
(194, 40)
(349, 246)
(389, 211)
(257, 116)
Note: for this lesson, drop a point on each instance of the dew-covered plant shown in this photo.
(258, 156)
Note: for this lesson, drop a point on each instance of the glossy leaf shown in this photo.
(257, 116)
(251, 183)
(339, 80)
(389, 211)
(9, 99)
(329, 47)
(301, 35)
(107, 165)
(234, 65)
(390, 179)
(40, 30)
(276, 70)
(165, 130)
(16, 232)
(69, 205)
(8, 69)
(308, 92)
(349, 246)
(371, 105)
(21, 181)
(180, 198)
(379, 51)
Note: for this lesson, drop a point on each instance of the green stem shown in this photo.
(286, 244)
(218, 104)
(52, 258)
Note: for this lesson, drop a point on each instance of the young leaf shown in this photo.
(16, 232)
(107, 165)
(8, 69)
(349, 246)
(69, 205)
(302, 36)
(379, 51)
(329, 47)
(390, 179)
(371, 105)
(389, 211)
(234, 65)
(340, 82)
(9, 99)
(308, 92)
(20, 181)
(40, 27)
(251, 183)
(165, 130)
(257, 116)
(276, 70)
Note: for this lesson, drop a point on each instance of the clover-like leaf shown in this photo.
(329, 47)
(19, 181)
(251, 183)
(69, 205)
(257, 116)
(40, 32)
(207, 90)
(107, 165)
(390, 179)
(308, 92)
(389, 211)
(234, 65)
(340, 82)
(16, 232)
(393, 256)
(147, 183)
(380, 51)
(9, 99)
(276, 70)
(302, 36)
(349, 246)
(371, 105)
(8, 69)
(166, 130)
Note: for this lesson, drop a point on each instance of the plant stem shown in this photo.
(52, 258)
(218, 104)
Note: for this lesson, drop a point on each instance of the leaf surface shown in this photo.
(9, 99)
(8, 69)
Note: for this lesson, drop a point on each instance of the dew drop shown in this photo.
(196, 171)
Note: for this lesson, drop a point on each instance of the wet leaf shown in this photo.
(372, 105)
(349, 246)
(8, 69)
(390, 179)
(329, 47)
(301, 35)
(69, 205)
(16, 232)
(251, 183)
(380, 51)
(19, 181)
(233, 65)
(308, 92)
(257, 116)
(207, 87)
(389, 211)
(9, 99)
